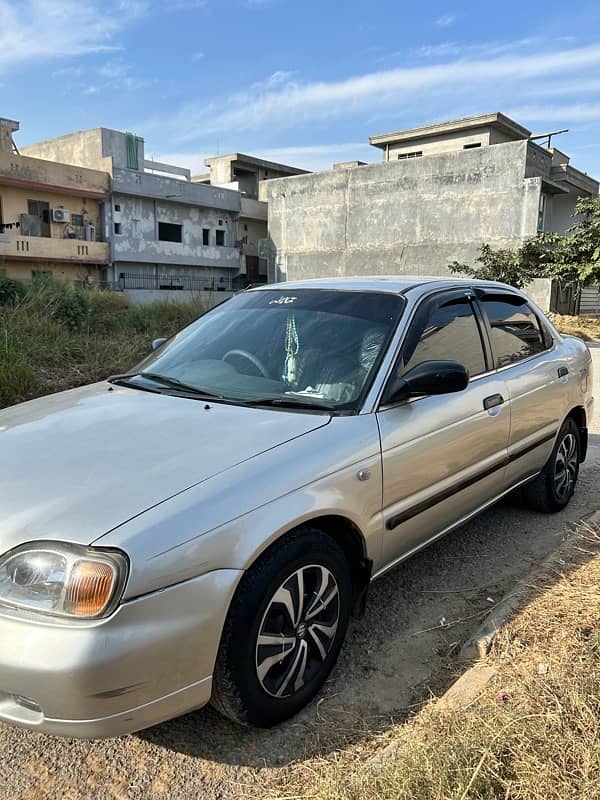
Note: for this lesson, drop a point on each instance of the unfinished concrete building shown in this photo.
(441, 192)
(50, 216)
(167, 233)
(244, 174)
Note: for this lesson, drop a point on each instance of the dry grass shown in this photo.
(533, 734)
(56, 337)
(587, 328)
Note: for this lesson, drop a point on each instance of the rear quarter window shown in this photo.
(515, 329)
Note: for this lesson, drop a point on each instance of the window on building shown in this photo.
(412, 154)
(117, 227)
(221, 222)
(471, 146)
(206, 236)
(1, 217)
(77, 220)
(117, 206)
(245, 227)
(451, 332)
(170, 232)
(516, 332)
(220, 238)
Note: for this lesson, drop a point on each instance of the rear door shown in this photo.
(536, 377)
(443, 456)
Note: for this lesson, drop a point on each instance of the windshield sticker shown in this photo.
(282, 301)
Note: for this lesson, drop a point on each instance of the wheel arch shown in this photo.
(578, 415)
(348, 536)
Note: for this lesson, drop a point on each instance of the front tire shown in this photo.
(553, 488)
(284, 630)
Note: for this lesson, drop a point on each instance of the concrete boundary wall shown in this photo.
(413, 216)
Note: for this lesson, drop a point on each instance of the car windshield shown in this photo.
(303, 348)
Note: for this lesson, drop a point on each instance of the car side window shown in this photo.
(449, 333)
(515, 329)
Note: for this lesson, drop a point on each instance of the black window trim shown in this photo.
(547, 338)
(424, 307)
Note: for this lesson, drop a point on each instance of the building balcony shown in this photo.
(40, 248)
(254, 209)
(174, 253)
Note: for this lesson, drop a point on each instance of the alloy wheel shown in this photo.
(565, 467)
(297, 630)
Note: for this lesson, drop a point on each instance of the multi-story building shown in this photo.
(441, 192)
(50, 216)
(243, 174)
(166, 232)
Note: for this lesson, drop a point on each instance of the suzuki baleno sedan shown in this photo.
(201, 528)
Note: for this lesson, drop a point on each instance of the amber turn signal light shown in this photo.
(90, 588)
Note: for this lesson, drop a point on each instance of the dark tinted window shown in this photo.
(516, 331)
(450, 333)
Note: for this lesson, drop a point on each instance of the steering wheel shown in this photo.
(253, 360)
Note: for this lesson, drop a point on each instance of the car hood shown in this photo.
(75, 465)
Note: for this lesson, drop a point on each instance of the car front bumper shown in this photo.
(150, 661)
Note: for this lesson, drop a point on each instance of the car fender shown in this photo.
(229, 520)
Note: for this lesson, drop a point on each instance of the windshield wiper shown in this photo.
(288, 402)
(172, 383)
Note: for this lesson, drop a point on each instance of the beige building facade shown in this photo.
(50, 216)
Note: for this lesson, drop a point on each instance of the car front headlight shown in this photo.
(62, 579)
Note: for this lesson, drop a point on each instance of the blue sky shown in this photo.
(305, 82)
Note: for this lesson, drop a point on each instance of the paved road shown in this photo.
(392, 658)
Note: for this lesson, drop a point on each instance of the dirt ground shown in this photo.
(400, 651)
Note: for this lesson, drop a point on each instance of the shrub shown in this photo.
(11, 291)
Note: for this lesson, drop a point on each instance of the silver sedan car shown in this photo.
(202, 528)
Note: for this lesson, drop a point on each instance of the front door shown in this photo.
(443, 456)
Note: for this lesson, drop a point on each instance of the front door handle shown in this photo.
(563, 372)
(492, 401)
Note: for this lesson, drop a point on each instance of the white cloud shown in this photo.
(557, 114)
(186, 5)
(198, 56)
(461, 49)
(310, 157)
(317, 157)
(284, 102)
(36, 30)
(445, 20)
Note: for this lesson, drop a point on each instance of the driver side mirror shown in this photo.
(158, 343)
(427, 378)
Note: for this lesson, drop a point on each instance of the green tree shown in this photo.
(572, 258)
(516, 267)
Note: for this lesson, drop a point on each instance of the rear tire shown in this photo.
(284, 630)
(553, 488)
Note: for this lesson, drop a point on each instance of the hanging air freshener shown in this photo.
(292, 347)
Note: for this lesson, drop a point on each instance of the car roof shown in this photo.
(392, 284)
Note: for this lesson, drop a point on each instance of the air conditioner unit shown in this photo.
(90, 233)
(61, 215)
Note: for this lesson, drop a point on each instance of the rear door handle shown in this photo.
(563, 372)
(492, 401)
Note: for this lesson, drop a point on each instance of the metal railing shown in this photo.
(169, 282)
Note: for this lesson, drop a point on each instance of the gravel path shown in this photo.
(392, 657)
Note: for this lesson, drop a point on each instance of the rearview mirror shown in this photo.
(158, 343)
(428, 378)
